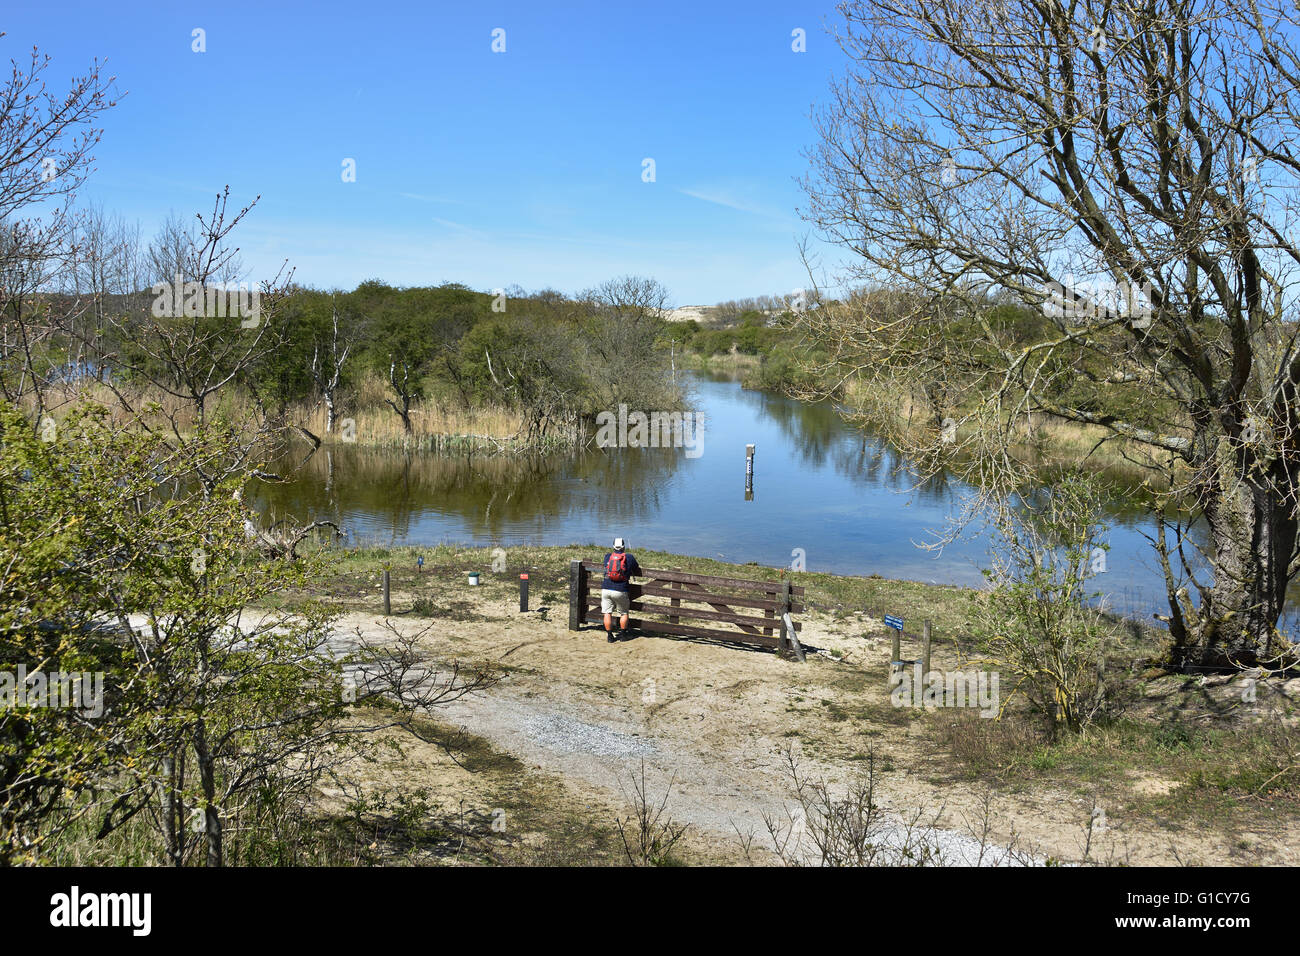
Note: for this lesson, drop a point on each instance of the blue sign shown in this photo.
(894, 622)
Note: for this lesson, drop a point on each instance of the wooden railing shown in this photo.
(772, 604)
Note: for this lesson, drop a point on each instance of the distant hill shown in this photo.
(700, 313)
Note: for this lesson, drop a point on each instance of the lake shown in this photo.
(841, 496)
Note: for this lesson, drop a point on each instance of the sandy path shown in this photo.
(597, 736)
(717, 720)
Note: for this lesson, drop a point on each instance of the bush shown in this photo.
(1038, 621)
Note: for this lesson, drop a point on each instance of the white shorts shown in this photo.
(614, 601)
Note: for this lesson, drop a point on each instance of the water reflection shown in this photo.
(817, 434)
(393, 493)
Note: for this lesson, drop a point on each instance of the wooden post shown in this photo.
(785, 611)
(388, 604)
(585, 591)
(794, 638)
(523, 593)
(896, 655)
(925, 651)
(676, 602)
(577, 594)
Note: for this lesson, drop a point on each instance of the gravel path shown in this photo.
(603, 745)
(604, 751)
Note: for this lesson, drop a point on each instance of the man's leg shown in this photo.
(607, 607)
(624, 606)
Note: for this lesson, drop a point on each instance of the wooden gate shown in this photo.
(759, 612)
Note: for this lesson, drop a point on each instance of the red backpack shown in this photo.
(616, 567)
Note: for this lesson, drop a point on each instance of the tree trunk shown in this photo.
(207, 779)
(1253, 529)
(173, 773)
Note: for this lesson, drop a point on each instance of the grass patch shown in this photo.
(453, 610)
(1172, 767)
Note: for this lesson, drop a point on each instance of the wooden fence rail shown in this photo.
(724, 599)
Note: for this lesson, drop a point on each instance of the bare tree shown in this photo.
(170, 252)
(624, 316)
(46, 140)
(107, 277)
(190, 350)
(1128, 169)
(329, 356)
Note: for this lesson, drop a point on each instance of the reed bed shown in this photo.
(366, 419)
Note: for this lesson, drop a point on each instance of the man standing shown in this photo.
(614, 594)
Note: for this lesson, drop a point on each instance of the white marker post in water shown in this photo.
(749, 472)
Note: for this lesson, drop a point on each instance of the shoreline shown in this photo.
(945, 605)
(718, 719)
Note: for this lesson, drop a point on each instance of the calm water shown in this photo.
(819, 485)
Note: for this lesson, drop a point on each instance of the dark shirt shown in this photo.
(633, 569)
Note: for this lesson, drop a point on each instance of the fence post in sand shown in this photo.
(577, 594)
(388, 604)
(794, 638)
(785, 616)
(925, 651)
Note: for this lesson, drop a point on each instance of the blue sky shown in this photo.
(492, 169)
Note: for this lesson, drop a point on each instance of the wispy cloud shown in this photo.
(723, 198)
